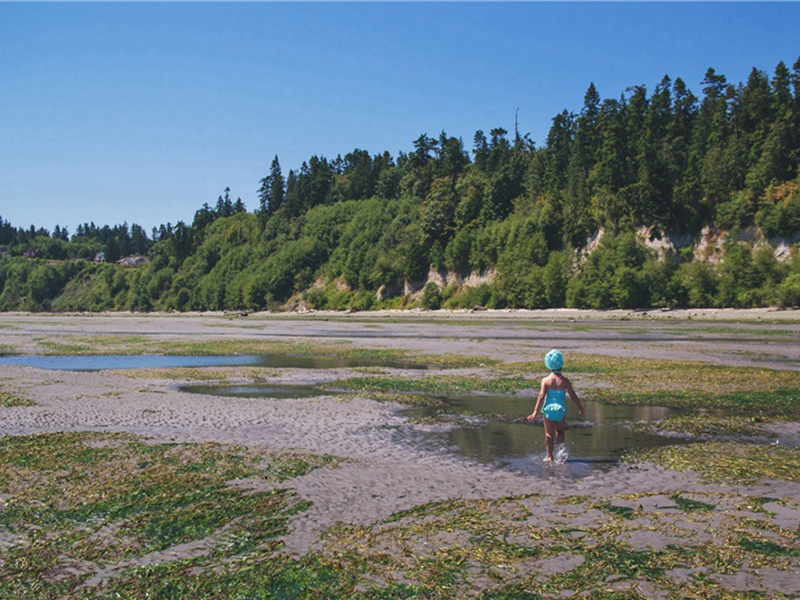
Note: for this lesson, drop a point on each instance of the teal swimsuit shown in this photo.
(555, 405)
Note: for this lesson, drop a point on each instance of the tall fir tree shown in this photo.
(272, 192)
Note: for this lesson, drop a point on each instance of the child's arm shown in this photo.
(539, 401)
(574, 396)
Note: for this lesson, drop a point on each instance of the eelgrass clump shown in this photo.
(8, 400)
(442, 384)
(539, 546)
(76, 504)
(206, 374)
(728, 461)
(706, 426)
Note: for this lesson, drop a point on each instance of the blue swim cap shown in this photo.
(554, 360)
(554, 411)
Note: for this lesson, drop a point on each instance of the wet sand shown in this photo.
(747, 337)
(379, 476)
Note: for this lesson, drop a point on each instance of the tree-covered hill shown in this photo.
(363, 231)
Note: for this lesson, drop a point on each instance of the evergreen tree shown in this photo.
(480, 149)
(559, 142)
(423, 146)
(224, 204)
(293, 200)
(452, 159)
(271, 194)
(360, 175)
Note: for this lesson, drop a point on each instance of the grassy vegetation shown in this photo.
(705, 426)
(729, 462)
(70, 347)
(79, 505)
(209, 374)
(81, 345)
(8, 400)
(524, 548)
(439, 384)
(75, 504)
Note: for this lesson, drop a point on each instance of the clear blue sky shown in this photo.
(141, 112)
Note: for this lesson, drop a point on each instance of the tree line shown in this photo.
(359, 230)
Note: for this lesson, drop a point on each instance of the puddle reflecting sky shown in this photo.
(143, 361)
(500, 435)
(257, 391)
(151, 361)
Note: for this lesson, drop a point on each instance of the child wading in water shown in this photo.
(552, 402)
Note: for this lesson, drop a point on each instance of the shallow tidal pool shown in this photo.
(160, 361)
(491, 428)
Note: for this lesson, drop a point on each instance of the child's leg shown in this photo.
(560, 431)
(549, 436)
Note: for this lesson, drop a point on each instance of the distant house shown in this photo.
(32, 253)
(99, 257)
(133, 261)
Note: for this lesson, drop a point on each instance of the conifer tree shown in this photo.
(271, 194)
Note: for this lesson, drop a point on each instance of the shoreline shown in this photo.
(479, 313)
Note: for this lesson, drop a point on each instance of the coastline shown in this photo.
(711, 314)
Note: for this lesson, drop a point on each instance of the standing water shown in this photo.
(158, 361)
(483, 427)
(492, 428)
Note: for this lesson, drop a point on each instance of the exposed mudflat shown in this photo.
(379, 476)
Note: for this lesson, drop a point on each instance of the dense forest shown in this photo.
(574, 222)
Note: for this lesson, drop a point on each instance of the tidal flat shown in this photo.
(116, 483)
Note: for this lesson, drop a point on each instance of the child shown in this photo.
(553, 395)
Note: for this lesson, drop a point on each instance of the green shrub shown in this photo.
(431, 296)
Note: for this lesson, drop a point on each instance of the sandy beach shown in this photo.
(378, 475)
